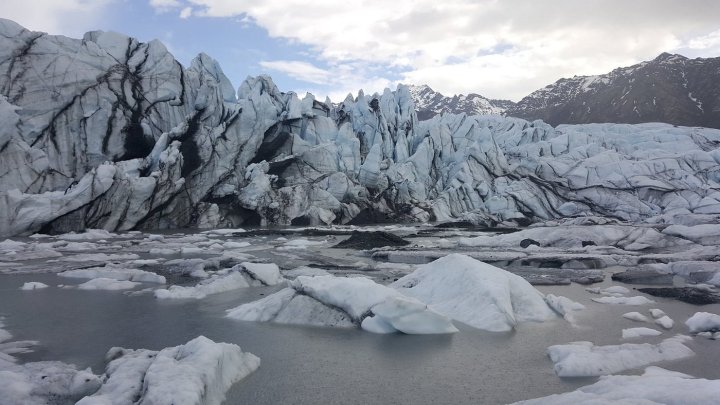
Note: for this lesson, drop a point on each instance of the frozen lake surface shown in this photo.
(312, 364)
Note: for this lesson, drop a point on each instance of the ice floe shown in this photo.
(305, 271)
(475, 293)
(703, 322)
(636, 316)
(339, 301)
(637, 300)
(118, 273)
(639, 332)
(240, 276)
(656, 386)
(33, 285)
(563, 306)
(39, 383)
(88, 234)
(665, 321)
(102, 283)
(584, 359)
(657, 313)
(266, 273)
(198, 372)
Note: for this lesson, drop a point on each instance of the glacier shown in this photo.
(111, 133)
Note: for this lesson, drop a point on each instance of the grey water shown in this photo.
(302, 365)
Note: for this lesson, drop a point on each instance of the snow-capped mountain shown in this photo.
(109, 132)
(429, 103)
(669, 88)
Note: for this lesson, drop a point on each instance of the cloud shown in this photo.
(186, 12)
(710, 41)
(299, 70)
(497, 48)
(335, 82)
(68, 17)
(161, 5)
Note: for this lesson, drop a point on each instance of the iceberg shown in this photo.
(198, 372)
(345, 302)
(476, 293)
(584, 359)
(655, 386)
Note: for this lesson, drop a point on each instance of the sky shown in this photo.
(497, 48)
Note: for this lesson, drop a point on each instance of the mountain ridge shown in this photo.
(429, 103)
(670, 88)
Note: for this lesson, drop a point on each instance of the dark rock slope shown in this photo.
(670, 88)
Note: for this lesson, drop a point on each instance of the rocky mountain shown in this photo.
(669, 88)
(109, 132)
(429, 103)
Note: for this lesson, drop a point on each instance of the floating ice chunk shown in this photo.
(89, 234)
(223, 232)
(656, 386)
(9, 245)
(344, 302)
(288, 307)
(41, 382)
(475, 293)
(79, 246)
(45, 382)
(583, 359)
(639, 332)
(657, 313)
(163, 251)
(360, 296)
(7, 360)
(235, 245)
(198, 372)
(147, 262)
(188, 250)
(703, 322)
(33, 285)
(659, 371)
(665, 321)
(563, 306)
(115, 273)
(266, 273)
(16, 388)
(107, 284)
(636, 316)
(356, 296)
(409, 316)
(32, 255)
(213, 285)
(376, 324)
(302, 244)
(305, 271)
(637, 300)
(100, 257)
(615, 290)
